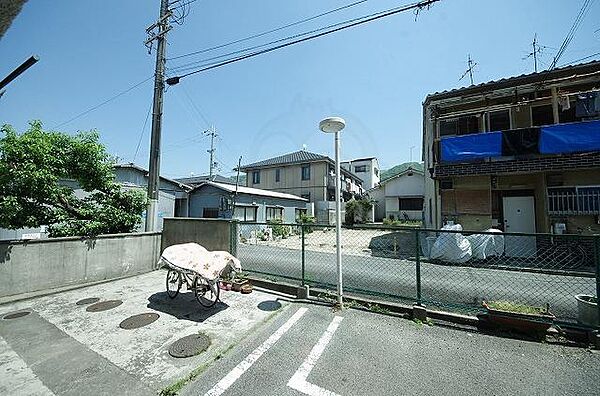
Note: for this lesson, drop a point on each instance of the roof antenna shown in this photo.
(304, 147)
(469, 71)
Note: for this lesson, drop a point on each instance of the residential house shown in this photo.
(221, 200)
(305, 174)
(521, 154)
(365, 168)
(400, 196)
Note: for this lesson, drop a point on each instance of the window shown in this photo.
(277, 175)
(542, 115)
(305, 196)
(410, 203)
(300, 212)
(360, 169)
(574, 200)
(256, 177)
(245, 213)
(376, 171)
(462, 125)
(499, 120)
(274, 213)
(446, 184)
(305, 172)
(210, 213)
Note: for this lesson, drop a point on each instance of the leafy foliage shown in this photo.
(357, 210)
(39, 171)
(386, 174)
(305, 220)
(279, 230)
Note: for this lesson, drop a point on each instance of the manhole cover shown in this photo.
(269, 305)
(15, 315)
(104, 305)
(136, 321)
(87, 301)
(189, 346)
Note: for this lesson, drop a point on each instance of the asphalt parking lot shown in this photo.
(264, 344)
(321, 352)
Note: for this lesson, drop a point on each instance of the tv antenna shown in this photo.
(471, 63)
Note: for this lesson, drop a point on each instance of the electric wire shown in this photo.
(585, 7)
(137, 149)
(372, 17)
(103, 103)
(268, 31)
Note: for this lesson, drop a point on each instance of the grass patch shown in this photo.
(508, 306)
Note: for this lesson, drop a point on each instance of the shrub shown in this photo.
(305, 220)
(279, 229)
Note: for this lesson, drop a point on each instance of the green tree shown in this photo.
(39, 171)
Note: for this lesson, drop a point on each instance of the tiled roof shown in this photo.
(195, 180)
(252, 191)
(297, 157)
(286, 159)
(523, 79)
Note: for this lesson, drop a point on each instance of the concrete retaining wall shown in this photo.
(213, 234)
(36, 265)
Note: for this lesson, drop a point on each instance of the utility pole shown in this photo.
(162, 25)
(213, 134)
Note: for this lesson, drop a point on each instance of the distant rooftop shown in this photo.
(251, 191)
(523, 79)
(195, 180)
(145, 172)
(297, 157)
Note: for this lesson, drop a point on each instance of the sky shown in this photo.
(375, 76)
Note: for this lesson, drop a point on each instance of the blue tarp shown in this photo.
(577, 137)
(469, 147)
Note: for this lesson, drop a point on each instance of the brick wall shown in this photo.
(545, 163)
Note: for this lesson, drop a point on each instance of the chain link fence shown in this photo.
(450, 270)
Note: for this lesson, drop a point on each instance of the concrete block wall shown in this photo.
(44, 264)
(213, 234)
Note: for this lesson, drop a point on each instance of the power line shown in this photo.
(137, 149)
(201, 114)
(206, 62)
(580, 59)
(102, 103)
(269, 31)
(585, 7)
(419, 5)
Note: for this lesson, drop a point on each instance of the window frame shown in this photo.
(270, 209)
(277, 175)
(410, 202)
(256, 177)
(360, 169)
(305, 176)
(246, 209)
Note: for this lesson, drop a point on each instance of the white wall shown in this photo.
(405, 186)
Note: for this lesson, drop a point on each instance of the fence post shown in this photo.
(233, 231)
(418, 265)
(303, 252)
(597, 262)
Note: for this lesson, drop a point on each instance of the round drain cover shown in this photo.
(269, 305)
(15, 315)
(104, 305)
(189, 346)
(87, 301)
(136, 321)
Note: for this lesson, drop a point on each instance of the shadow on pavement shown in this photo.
(184, 306)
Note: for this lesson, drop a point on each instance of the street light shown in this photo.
(335, 125)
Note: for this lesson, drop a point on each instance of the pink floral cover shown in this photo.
(194, 257)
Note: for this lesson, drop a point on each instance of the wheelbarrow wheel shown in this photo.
(173, 283)
(207, 292)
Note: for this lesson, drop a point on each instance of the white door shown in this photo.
(519, 216)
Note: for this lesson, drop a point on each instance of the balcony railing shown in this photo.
(577, 137)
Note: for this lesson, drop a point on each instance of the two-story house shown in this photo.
(305, 174)
(365, 168)
(521, 154)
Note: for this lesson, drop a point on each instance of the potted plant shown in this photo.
(587, 310)
(521, 318)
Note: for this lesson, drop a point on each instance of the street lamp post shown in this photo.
(335, 125)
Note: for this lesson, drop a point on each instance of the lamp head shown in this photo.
(332, 124)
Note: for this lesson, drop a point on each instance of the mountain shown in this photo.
(242, 179)
(386, 174)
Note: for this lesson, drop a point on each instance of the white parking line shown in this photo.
(245, 364)
(298, 380)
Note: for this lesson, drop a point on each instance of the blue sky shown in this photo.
(375, 76)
